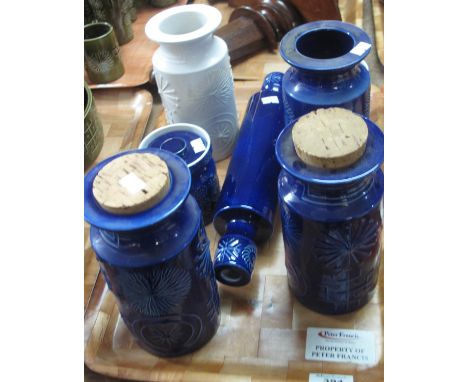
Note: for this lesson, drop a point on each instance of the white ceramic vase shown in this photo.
(193, 73)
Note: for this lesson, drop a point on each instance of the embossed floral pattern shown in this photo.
(340, 248)
(232, 248)
(204, 266)
(101, 61)
(292, 228)
(203, 263)
(156, 292)
(206, 192)
(169, 335)
(169, 97)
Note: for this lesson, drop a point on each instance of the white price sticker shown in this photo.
(271, 99)
(340, 345)
(330, 378)
(132, 183)
(360, 48)
(198, 145)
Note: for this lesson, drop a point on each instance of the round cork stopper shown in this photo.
(131, 183)
(330, 138)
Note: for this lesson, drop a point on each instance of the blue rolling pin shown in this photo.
(246, 207)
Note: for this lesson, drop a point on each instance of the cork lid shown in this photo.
(369, 162)
(331, 138)
(131, 183)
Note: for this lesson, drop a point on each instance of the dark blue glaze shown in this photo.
(332, 222)
(158, 265)
(246, 207)
(178, 139)
(325, 71)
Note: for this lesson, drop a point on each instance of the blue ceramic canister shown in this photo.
(327, 68)
(193, 145)
(157, 261)
(332, 222)
(246, 207)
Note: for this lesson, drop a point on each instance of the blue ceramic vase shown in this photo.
(332, 222)
(193, 145)
(327, 68)
(246, 207)
(157, 264)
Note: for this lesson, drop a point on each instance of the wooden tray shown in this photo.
(124, 114)
(378, 12)
(136, 55)
(263, 327)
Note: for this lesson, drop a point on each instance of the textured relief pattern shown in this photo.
(155, 292)
(203, 263)
(170, 335)
(101, 61)
(204, 267)
(218, 89)
(342, 248)
(98, 9)
(206, 191)
(223, 133)
(215, 95)
(292, 228)
(93, 133)
(234, 250)
(346, 291)
(169, 98)
(292, 234)
(341, 264)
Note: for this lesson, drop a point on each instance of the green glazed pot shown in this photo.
(162, 3)
(116, 13)
(101, 50)
(93, 132)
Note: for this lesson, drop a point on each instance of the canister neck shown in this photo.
(335, 194)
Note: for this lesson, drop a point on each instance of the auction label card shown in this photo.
(340, 345)
(360, 48)
(271, 99)
(198, 145)
(330, 378)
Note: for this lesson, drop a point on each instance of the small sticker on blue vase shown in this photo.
(360, 48)
(271, 99)
(198, 145)
(340, 345)
(314, 377)
(132, 183)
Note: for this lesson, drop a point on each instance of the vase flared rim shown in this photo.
(180, 182)
(212, 19)
(361, 47)
(369, 162)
